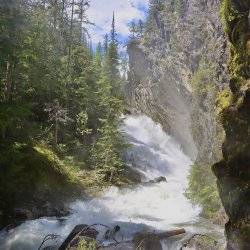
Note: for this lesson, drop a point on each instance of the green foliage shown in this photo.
(202, 80)
(224, 99)
(105, 153)
(87, 245)
(236, 26)
(202, 190)
(31, 173)
(55, 90)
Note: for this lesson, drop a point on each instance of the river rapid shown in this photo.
(155, 206)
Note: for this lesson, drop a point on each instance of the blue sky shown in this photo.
(100, 12)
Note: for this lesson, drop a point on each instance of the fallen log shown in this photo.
(148, 241)
(171, 233)
(144, 241)
(162, 235)
(75, 235)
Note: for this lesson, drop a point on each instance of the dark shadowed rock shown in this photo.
(147, 242)
(159, 179)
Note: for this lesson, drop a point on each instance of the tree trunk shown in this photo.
(8, 82)
(71, 25)
(81, 19)
(63, 6)
(56, 133)
(3, 133)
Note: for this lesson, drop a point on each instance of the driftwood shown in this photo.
(171, 233)
(143, 240)
(81, 230)
(47, 238)
(162, 235)
(146, 240)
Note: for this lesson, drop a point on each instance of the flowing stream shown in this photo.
(155, 206)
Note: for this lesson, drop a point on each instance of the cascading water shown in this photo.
(160, 206)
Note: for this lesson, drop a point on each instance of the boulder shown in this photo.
(21, 214)
(50, 248)
(118, 246)
(147, 242)
(78, 234)
(201, 242)
(158, 180)
(155, 181)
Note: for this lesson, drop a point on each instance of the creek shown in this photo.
(155, 206)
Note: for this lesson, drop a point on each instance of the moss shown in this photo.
(203, 191)
(86, 245)
(32, 176)
(233, 171)
(227, 14)
(223, 100)
(202, 79)
(25, 169)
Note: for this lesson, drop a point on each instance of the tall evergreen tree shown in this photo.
(113, 60)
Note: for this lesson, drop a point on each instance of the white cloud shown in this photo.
(101, 12)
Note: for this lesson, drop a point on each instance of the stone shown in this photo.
(80, 232)
(201, 242)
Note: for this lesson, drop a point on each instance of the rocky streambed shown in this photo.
(156, 206)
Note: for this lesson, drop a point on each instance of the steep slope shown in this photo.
(176, 70)
(178, 76)
(35, 183)
(233, 172)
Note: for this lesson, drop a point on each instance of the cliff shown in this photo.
(233, 172)
(190, 72)
(176, 70)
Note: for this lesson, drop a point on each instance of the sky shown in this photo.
(101, 11)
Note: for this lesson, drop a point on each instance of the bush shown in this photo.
(202, 190)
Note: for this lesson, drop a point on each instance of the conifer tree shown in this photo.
(113, 60)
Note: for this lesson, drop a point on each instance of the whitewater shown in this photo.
(158, 206)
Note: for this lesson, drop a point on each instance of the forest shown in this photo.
(61, 100)
(124, 124)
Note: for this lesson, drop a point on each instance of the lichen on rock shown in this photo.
(233, 172)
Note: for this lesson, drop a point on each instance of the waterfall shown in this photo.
(160, 206)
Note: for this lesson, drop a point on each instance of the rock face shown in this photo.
(183, 45)
(233, 172)
(177, 71)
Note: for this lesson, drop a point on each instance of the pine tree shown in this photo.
(54, 88)
(113, 60)
(106, 153)
(106, 44)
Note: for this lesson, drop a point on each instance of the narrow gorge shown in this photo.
(143, 149)
(190, 72)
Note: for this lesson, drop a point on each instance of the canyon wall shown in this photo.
(233, 171)
(176, 70)
(179, 75)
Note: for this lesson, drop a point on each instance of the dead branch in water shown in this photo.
(47, 238)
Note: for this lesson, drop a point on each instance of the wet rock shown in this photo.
(201, 242)
(147, 242)
(21, 214)
(159, 179)
(78, 234)
(220, 218)
(132, 174)
(50, 248)
(155, 181)
(119, 246)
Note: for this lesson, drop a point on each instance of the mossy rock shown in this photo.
(32, 178)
